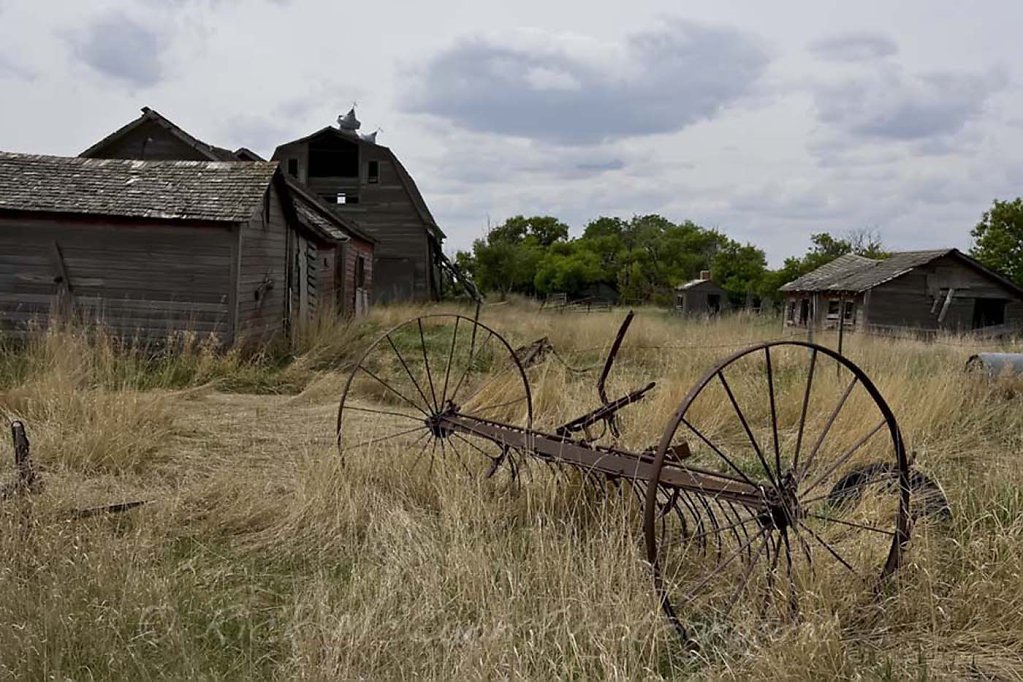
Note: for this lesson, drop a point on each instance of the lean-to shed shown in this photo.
(701, 297)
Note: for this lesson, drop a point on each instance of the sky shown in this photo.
(767, 121)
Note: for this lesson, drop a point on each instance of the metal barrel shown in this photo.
(996, 364)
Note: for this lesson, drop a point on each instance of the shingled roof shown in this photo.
(186, 190)
(855, 274)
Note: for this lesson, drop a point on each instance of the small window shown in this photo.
(850, 308)
(832, 308)
(373, 174)
(293, 167)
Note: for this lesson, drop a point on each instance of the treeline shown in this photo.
(642, 259)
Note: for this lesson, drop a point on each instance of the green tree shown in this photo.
(739, 270)
(998, 239)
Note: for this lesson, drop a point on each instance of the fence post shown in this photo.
(27, 479)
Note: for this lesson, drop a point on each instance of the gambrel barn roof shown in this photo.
(855, 274)
(188, 190)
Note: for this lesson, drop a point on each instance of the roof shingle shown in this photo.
(852, 273)
(186, 190)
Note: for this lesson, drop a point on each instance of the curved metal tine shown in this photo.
(384, 438)
(802, 413)
(827, 427)
(746, 427)
(392, 390)
(747, 574)
(844, 457)
(426, 362)
(720, 453)
(774, 412)
(793, 597)
(737, 524)
(447, 368)
(832, 551)
(401, 359)
(713, 522)
(701, 534)
(722, 565)
(473, 354)
(385, 412)
(724, 513)
(738, 516)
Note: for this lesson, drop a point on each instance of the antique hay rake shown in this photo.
(780, 476)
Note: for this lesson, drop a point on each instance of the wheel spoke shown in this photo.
(723, 564)
(719, 452)
(850, 523)
(827, 428)
(802, 413)
(384, 438)
(385, 412)
(844, 457)
(426, 361)
(749, 432)
(494, 407)
(401, 359)
(774, 412)
(737, 524)
(473, 354)
(730, 604)
(830, 549)
(391, 389)
(447, 369)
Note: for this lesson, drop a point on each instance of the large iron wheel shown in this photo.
(796, 421)
(422, 369)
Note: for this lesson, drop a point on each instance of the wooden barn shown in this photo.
(911, 290)
(154, 248)
(339, 262)
(701, 297)
(365, 181)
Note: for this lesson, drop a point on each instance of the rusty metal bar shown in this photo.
(613, 462)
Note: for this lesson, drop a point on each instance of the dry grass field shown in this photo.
(260, 556)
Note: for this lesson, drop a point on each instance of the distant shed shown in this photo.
(153, 248)
(919, 290)
(701, 297)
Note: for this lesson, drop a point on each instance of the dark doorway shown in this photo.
(714, 303)
(804, 311)
(988, 312)
(333, 157)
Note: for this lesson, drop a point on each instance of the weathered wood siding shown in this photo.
(403, 256)
(149, 141)
(262, 276)
(909, 300)
(353, 250)
(146, 280)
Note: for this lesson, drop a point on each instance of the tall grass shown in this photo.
(261, 556)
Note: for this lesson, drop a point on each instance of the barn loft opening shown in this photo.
(330, 156)
(373, 173)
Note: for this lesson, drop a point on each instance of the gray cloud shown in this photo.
(854, 47)
(9, 68)
(123, 49)
(573, 90)
(889, 105)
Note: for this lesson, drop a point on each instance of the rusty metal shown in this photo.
(29, 481)
(758, 476)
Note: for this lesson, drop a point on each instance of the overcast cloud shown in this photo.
(767, 123)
